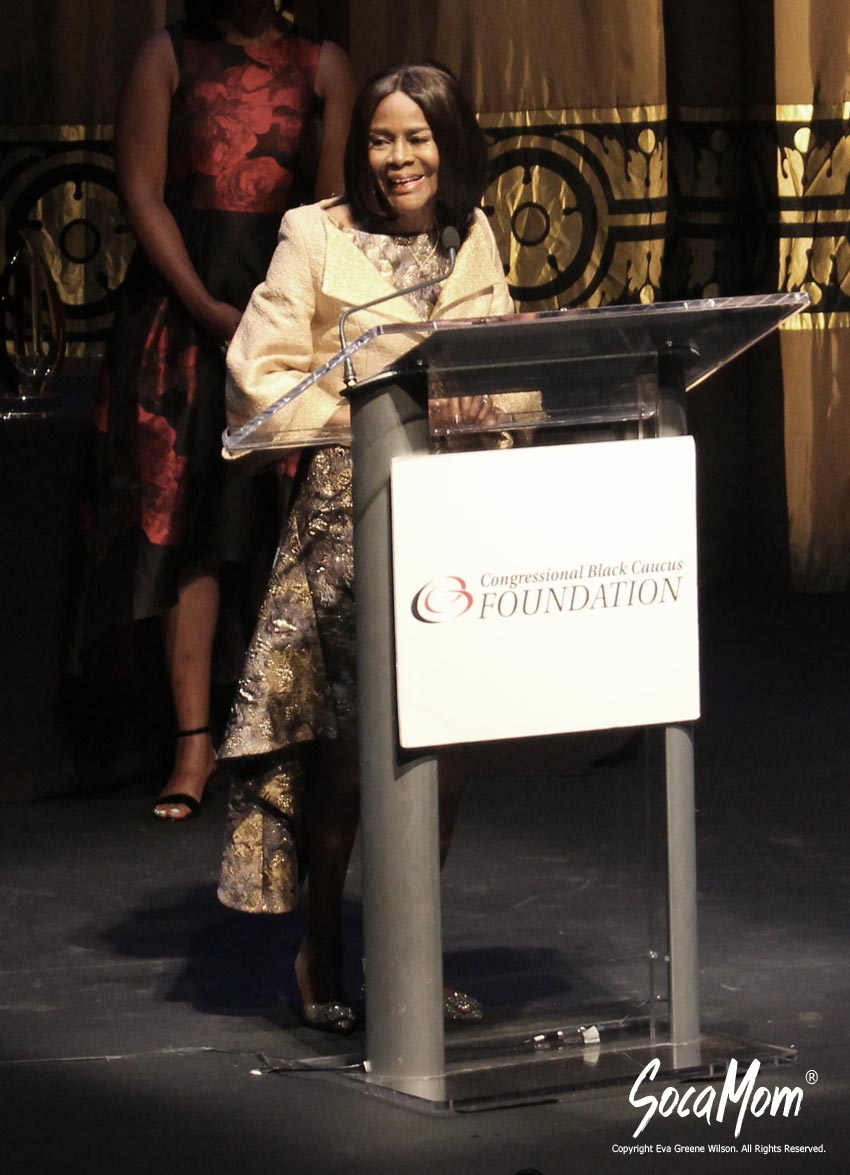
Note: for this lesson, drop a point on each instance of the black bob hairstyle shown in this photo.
(202, 17)
(464, 168)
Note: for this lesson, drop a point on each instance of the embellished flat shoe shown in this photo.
(340, 1019)
(458, 1007)
(461, 1008)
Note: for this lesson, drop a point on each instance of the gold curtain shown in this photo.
(61, 65)
(61, 68)
(571, 95)
(761, 157)
(812, 165)
(642, 149)
(648, 149)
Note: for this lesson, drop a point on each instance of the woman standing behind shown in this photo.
(215, 136)
(415, 165)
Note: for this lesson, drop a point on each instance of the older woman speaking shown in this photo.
(415, 166)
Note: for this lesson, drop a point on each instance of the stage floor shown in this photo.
(141, 1019)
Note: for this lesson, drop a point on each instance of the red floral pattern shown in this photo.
(164, 470)
(238, 128)
(254, 184)
(248, 124)
(186, 362)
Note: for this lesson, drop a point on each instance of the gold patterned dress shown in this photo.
(298, 684)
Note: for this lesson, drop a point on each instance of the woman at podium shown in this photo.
(415, 171)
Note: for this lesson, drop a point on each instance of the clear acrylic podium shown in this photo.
(617, 373)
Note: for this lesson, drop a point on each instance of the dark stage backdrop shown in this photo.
(642, 150)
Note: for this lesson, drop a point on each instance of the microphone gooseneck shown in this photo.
(450, 242)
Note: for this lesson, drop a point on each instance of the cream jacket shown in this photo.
(290, 327)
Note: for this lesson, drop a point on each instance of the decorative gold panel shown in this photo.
(57, 187)
(578, 204)
(811, 214)
(761, 203)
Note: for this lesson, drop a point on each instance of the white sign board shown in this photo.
(545, 590)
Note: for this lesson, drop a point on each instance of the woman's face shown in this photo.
(405, 162)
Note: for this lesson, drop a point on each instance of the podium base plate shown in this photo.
(502, 1067)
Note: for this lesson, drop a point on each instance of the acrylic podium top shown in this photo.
(575, 358)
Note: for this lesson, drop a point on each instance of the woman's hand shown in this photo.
(220, 320)
(469, 413)
(470, 422)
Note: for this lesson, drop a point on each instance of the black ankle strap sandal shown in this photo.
(175, 799)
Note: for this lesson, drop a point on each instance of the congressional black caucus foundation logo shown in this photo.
(442, 599)
(588, 587)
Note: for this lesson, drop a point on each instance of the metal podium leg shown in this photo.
(402, 937)
(682, 890)
(681, 834)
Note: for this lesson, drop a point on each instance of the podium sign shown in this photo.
(545, 590)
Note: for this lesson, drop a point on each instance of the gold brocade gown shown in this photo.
(298, 684)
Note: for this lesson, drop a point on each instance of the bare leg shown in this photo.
(188, 629)
(331, 816)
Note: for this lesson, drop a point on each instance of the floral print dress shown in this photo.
(241, 150)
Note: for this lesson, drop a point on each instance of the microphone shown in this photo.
(450, 241)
